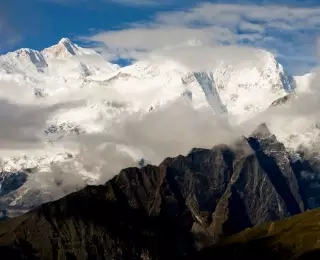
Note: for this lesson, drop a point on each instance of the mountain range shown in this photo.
(187, 207)
(100, 94)
(245, 195)
(64, 70)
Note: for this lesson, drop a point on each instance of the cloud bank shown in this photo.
(288, 31)
(168, 131)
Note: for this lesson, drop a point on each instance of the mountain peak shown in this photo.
(64, 48)
(262, 131)
(65, 41)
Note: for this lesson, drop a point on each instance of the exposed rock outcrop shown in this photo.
(166, 211)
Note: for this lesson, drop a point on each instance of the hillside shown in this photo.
(292, 238)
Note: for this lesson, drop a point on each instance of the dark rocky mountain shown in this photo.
(167, 211)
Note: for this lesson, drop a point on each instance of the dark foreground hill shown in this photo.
(168, 211)
(297, 238)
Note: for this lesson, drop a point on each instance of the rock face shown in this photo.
(263, 186)
(166, 211)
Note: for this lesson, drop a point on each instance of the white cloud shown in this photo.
(168, 131)
(286, 30)
(22, 119)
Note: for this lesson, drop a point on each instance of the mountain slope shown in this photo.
(64, 59)
(166, 211)
(292, 238)
(247, 88)
(229, 87)
(147, 85)
(66, 72)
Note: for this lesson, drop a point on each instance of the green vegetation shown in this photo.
(297, 237)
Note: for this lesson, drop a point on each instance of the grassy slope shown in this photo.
(297, 237)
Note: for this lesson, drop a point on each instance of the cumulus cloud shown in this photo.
(17, 122)
(169, 131)
(23, 120)
(289, 30)
(21, 125)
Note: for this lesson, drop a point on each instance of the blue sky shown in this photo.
(126, 29)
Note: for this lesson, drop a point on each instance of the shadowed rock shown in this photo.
(166, 211)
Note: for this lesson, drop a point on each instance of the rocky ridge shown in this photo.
(167, 211)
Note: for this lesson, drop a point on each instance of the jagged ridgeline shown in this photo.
(168, 211)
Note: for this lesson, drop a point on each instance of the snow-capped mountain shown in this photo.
(146, 85)
(66, 65)
(67, 71)
(247, 90)
(100, 94)
(65, 59)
